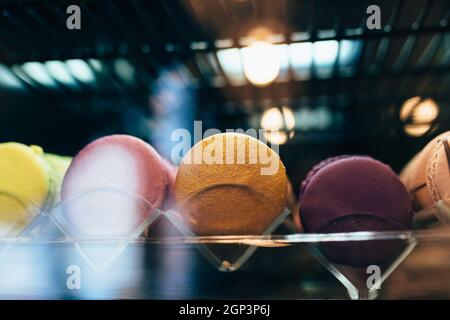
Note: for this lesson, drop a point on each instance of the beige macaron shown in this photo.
(427, 175)
(438, 170)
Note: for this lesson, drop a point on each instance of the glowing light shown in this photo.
(8, 79)
(325, 52)
(283, 54)
(58, 70)
(417, 130)
(278, 125)
(96, 64)
(124, 69)
(349, 50)
(301, 54)
(417, 110)
(418, 114)
(38, 72)
(80, 70)
(261, 63)
(230, 60)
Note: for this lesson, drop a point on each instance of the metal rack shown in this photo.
(409, 56)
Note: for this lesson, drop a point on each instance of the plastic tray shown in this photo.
(54, 258)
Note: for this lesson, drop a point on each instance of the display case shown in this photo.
(313, 78)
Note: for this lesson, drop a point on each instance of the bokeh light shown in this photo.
(261, 62)
(418, 115)
(278, 124)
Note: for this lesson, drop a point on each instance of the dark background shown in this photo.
(171, 47)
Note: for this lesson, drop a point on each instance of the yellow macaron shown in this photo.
(229, 184)
(25, 185)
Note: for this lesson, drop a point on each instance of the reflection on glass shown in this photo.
(173, 105)
(120, 280)
(25, 274)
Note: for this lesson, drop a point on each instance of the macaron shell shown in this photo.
(414, 175)
(438, 169)
(58, 166)
(292, 204)
(162, 227)
(118, 162)
(107, 165)
(24, 180)
(171, 171)
(354, 186)
(311, 173)
(355, 193)
(225, 199)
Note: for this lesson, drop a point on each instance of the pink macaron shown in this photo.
(113, 185)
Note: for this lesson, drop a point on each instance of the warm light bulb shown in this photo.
(419, 111)
(261, 62)
(418, 115)
(278, 125)
(417, 130)
(276, 137)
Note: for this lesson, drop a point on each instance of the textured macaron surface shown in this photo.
(347, 187)
(171, 171)
(227, 192)
(107, 165)
(428, 172)
(24, 179)
(351, 194)
(438, 169)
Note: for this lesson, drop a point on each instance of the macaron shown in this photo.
(230, 184)
(427, 175)
(25, 185)
(163, 227)
(171, 171)
(350, 194)
(59, 166)
(113, 185)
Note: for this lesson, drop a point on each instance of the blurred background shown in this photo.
(309, 68)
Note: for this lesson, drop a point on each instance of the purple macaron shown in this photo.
(355, 193)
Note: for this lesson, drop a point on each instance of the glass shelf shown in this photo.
(42, 259)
